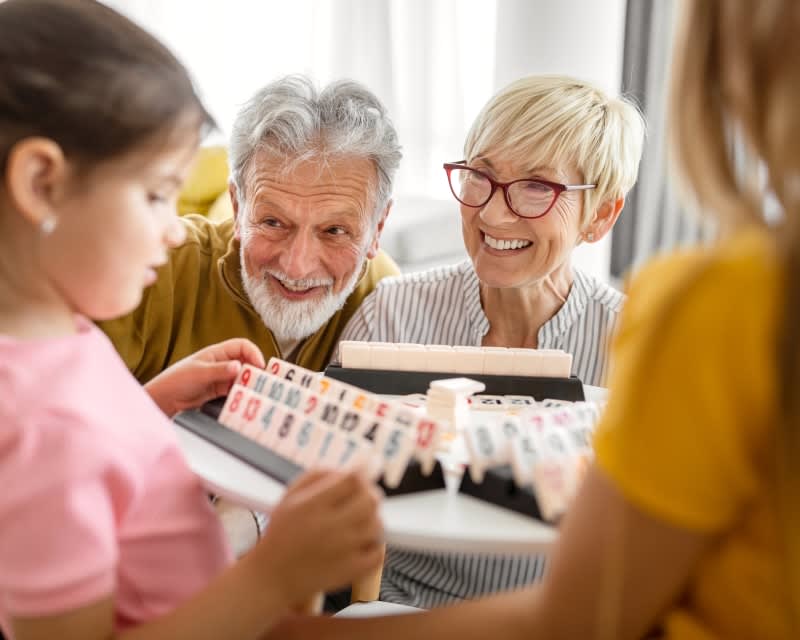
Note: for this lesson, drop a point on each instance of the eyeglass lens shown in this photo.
(528, 197)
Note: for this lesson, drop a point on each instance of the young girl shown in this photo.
(687, 527)
(105, 532)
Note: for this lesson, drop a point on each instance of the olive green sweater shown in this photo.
(199, 299)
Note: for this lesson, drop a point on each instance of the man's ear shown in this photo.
(605, 216)
(234, 194)
(374, 244)
(36, 178)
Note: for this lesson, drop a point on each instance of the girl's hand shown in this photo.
(324, 534)
(202, 376)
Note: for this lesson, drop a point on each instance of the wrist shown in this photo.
(153, 389)
(267, 582)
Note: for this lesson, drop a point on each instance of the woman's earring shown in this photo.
(48, 225)
(590, 237)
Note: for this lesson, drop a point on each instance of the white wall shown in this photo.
(575, 37)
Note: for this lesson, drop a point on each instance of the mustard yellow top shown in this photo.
(688, 434)
(199, 299)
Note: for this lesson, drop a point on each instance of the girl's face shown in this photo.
(114, 230)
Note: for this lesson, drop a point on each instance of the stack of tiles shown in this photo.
(310, 420)
(543, 363)
(448, 400)
(548, 448)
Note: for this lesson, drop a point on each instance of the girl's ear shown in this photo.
(36, 173)
(603, 220)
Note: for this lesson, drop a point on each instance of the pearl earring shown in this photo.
(590, 237)
(48, 225)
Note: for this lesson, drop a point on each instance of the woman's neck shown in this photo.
(517, 314)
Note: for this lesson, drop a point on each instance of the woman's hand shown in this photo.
(202, 376)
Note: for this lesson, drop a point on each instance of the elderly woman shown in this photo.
(548, 162)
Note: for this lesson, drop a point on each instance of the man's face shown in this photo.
(304, 237)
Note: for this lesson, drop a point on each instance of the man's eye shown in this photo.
(336, 231)
(271, 222)
(156, 198)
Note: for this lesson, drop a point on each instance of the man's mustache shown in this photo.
(305, 283)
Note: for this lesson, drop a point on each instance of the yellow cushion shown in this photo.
(222, 209)
(207, 180)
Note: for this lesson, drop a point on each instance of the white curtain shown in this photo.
(430, 62)
(656, 219)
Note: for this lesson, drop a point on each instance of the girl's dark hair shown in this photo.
(81, 74)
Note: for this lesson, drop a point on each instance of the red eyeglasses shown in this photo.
(526, 198)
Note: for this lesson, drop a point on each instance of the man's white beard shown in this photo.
(295, 319)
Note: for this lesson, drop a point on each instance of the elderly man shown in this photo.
(311, 181)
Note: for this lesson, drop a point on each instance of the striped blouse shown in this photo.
(443, 306)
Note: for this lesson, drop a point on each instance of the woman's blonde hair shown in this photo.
(558, 122)
(736, 115)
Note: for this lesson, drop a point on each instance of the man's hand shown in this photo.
(202, 376)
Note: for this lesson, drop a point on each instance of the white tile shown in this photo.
(556, 364)
(383, 356)
(441, 358)
(529, 362)
(470, 359)
(498, 361)
(354, 354)
(457, 386)
(412, 357)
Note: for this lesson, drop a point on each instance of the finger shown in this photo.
(242, 350)
(365, 561)
(359, 509)
(352, 538)
(370, 530)
(368, 468)
(222, 375)
(329, 490)
(308, 478)
(216, 377)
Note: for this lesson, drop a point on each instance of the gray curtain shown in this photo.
(652, 220)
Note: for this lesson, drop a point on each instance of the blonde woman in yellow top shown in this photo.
(687, 526)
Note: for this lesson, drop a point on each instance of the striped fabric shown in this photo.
(442, 306)
(428, 580)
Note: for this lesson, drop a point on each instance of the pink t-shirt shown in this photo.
(95, 496)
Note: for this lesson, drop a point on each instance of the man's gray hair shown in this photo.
(291, 118)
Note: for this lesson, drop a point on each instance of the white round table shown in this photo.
(439, 520)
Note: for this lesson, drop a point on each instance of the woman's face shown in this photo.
(539, 247)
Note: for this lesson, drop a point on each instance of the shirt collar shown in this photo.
(472, 299)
